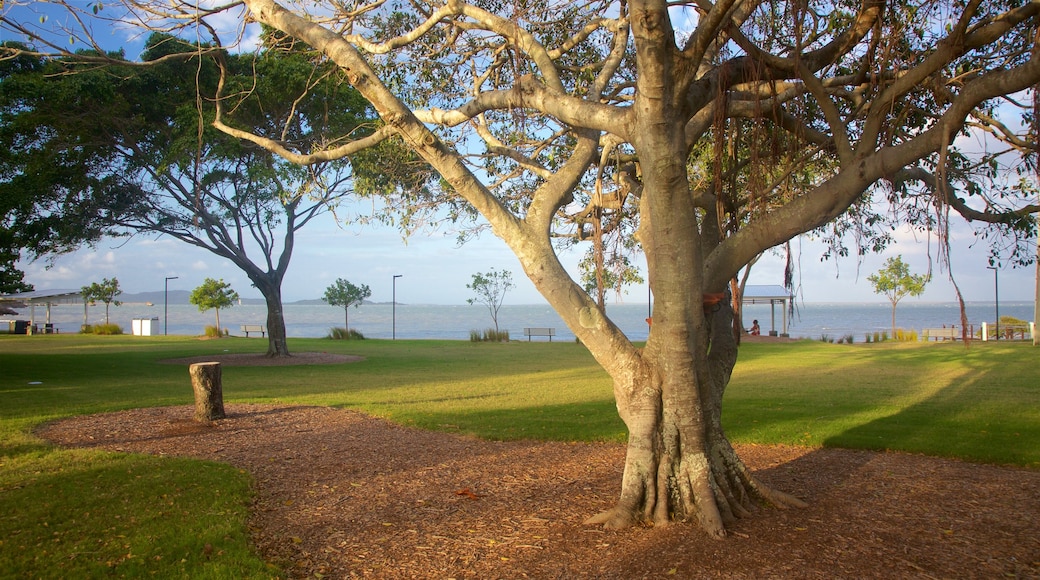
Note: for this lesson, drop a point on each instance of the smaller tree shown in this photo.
(491, 288)
(345, 294)
(105, 291)
(213, 294)
(896, 282)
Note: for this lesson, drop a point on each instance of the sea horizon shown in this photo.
(814, 320)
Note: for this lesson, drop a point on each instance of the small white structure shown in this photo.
(144, 326)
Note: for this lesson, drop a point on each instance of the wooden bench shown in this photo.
(247, 328)
(941, 333)
(529, 332)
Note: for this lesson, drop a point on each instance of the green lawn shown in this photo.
(85, 514)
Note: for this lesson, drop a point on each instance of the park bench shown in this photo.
(247, 328)
(529, 332)
(941, 333)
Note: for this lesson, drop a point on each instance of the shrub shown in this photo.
(338, 333)
(215, 332)
(826, 338)
(867, 337)
(489, 335)
(101, 329)
(906, 335)
(848, 339)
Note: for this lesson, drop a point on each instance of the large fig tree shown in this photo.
(718, 130)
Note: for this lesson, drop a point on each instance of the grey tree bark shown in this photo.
(206, 382)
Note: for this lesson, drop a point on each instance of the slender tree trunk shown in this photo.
(893, 319)
(219, 331)
(346, 318)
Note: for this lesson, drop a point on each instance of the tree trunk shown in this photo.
(893, 320)
(346, 319)
(209, 393)
(276, 344)
(679, 464)
(270, 287)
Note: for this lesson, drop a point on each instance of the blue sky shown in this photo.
(435, 270)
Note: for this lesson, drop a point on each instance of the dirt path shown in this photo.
(345, 495)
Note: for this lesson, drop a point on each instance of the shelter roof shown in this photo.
(23, 299)
(765, 294)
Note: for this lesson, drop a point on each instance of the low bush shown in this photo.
(215, 332)
(489, 335)
(338, 333)
(101, 329)
(906, 335)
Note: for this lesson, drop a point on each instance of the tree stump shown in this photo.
(209, 394)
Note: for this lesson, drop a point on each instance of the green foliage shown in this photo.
(214, 331)
(489, 335)
(490, 289)
(104, 291)
(344, 293)
(12, 280)
(336, 333)
(213, 294)
(895, 281)
(903, 335)
(102, 329)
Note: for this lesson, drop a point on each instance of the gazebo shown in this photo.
(773, 295)
(46, 298)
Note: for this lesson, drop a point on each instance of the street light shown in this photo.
(166, 301)
(996, 297)
(396, 276)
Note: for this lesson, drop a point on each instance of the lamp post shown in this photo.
(996, 297)
(394, 322)
(166, 302)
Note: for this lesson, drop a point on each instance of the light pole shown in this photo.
(166, 302)
(394, 331)
(996, 297)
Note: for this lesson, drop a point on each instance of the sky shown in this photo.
(434, 270)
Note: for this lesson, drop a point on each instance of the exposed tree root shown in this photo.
(712, 489)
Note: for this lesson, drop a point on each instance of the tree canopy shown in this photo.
(490, 288)
(104, 291)
(344, 293)
(215, 294)
(895, 281)
(137, 152)
(713, 131)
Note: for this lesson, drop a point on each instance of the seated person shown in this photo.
(755, 329)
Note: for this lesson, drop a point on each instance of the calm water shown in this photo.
(455, 322)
